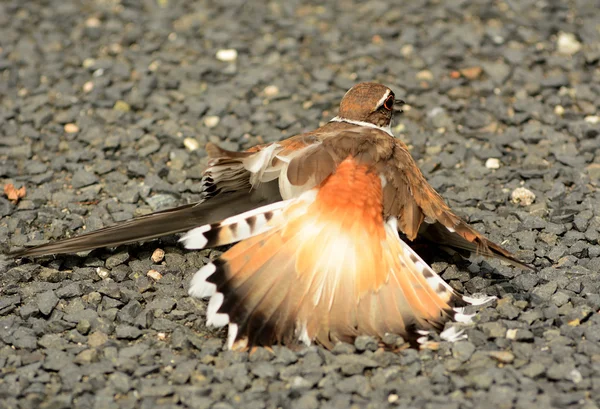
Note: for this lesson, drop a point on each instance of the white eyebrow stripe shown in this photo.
(382, 100)
(386, 129)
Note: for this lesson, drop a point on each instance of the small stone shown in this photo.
(593, 171)
(155, 275)
(575, 376)
(425, 75)
(97, 339)
(264, 370)
(83, 178)
(511, 333)
(463, 350)
(121, 106)
(128, 332)
(471, 73)
(88, 63)
(533, 369)
(559, 110)
(88, 87)
(86, 356)
(211, 121)
(392, 398)
(567, 43)
(271, 91)
(407, 50)
(117, 259)
(191, 144)
(592, 119)
(545, 291)
(83, 327)
(227, 55)
(365, 343)
(102, 272)
(519, 334)
(522, 196)
(92, 22)
(492, 163)
(505, 357)
(46, 302)
(71, 128)
(158, 255)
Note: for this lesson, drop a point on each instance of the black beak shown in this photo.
(398, 104)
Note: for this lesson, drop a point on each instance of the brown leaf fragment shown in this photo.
(12, 193)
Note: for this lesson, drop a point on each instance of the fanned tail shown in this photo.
(324, 269)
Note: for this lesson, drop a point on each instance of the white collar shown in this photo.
(386, 129)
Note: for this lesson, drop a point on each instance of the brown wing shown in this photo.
(420, 210)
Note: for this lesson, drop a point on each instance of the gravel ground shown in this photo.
(104, 109)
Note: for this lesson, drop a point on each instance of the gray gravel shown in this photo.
(102, 103)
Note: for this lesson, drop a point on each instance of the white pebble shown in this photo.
(492, 163)
(567, 44)
(211, 121)
(102, 272)
(92, 22)
(191, 144)
(592, 119)
(559, 110)
(522, 196)
(71, 128)
(271, 90)
(88, 87)
(88, 62)
(227, 55)
(575, 376)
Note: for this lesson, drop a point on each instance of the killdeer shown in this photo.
(321, 221)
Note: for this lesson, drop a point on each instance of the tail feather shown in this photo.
(150, 226)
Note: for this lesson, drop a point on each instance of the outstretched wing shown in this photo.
(234, 183)
(420, 210)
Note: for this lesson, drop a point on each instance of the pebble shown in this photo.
(97, 339)
(592, 119)
(211, 121)
(471, 73)
(522, 196)
(191, 144)
(567, 43)
(155, 275)
(122, 106)
(505, 357)
(46, 302)
(492, 163)
(227, 55)
(71, 128)
(271, 91)
(102, 272)
(158, 255)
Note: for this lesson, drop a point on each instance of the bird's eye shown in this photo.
(389, 103)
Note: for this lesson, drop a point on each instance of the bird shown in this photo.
(320, 226)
